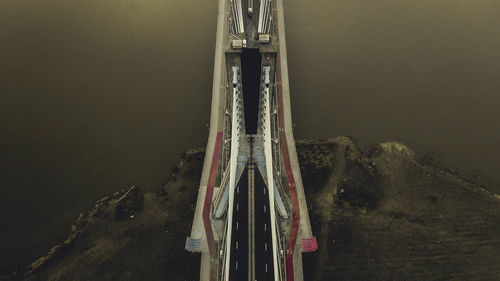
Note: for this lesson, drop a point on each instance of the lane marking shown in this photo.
(265, 246)
(237, 207)
(264, 208)
(265, 227)
(236, 245)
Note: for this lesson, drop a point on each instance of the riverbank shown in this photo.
(378, 214)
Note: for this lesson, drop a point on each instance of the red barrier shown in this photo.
(309, 244)
(289, 174)
(208, 197)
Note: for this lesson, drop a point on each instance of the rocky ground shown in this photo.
(377, 214)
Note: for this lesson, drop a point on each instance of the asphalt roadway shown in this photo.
(263, 241)
(239, 243)
(263, 244)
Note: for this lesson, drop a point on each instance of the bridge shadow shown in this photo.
(251, 69)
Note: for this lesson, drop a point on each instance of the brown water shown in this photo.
(426, 73)
(98, 95)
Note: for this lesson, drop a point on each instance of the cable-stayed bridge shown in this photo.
(251, 220)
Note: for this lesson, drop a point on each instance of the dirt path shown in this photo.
(327, 203)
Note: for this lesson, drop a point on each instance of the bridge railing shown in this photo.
(275, 130)
(266, 129)
(281, 254)
(219, 202)
(236, 19)
(235, 145)
(265, 16)
(222, 256)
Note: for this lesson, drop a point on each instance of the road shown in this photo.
(240, 239)
(239, 243)
(263, 241)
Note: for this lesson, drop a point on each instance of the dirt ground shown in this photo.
(377, 214)
(389, 217)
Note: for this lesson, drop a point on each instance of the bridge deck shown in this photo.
(203, 225)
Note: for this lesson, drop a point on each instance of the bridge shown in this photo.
(251, 220)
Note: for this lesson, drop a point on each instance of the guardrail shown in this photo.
(265, 16)
(222, 255)
(266, 128)
(236, 19)
(221, 198)
(235, 145)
